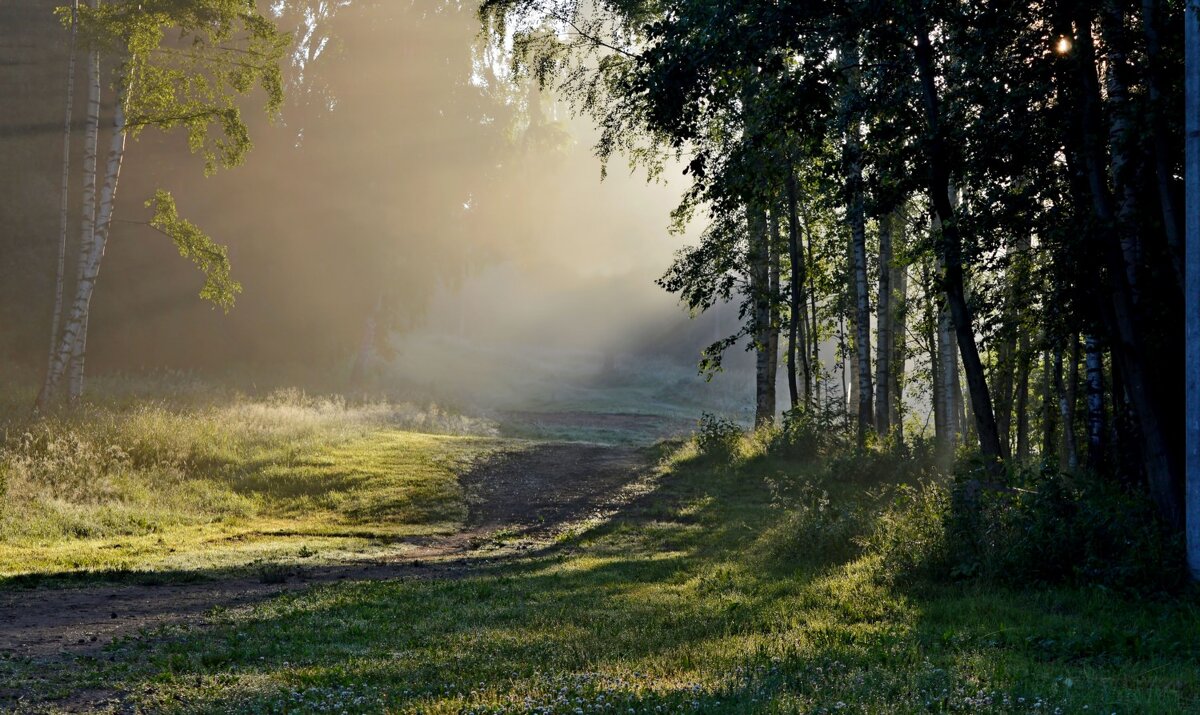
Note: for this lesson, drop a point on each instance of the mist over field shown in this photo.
(406, 182)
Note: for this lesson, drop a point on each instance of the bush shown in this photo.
(1043, 526)
(877, 466)
(807, 432)
(1056, 527)
(910, 534)
(717, 436)
(817, 528)
(800, 435)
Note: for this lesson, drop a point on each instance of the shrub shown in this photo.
(717, 436)
(1049, 526)
(817, 528)
(807, 432)
(800, 435)
(910, 534)
(1042, 526)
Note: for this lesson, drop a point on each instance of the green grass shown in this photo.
(734, 589)
(138, 488)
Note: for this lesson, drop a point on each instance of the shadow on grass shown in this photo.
(718, 591)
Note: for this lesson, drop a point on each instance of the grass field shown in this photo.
(195, 489)
(727, 587)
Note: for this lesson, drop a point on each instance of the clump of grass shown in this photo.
(270, 572)
(816, 526)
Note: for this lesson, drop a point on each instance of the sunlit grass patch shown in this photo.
(166, 489)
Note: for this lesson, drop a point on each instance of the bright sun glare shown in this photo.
(1063, 46)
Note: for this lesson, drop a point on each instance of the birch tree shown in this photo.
(222, 49)
(64, 196)
(856, 218)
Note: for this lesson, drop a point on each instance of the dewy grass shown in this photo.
(694, 599)
(154, 487)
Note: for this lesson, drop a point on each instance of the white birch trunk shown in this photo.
(883, 330)
(61, 359)
(64, 210)
(74, 338)
(899, 317)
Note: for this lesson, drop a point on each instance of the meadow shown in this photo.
(735, 578)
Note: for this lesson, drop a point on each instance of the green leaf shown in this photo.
(210, 257)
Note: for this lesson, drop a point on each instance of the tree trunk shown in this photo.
(1024, 364)
(1094, 359)
(1151, 23)
(108, 195)
(1163, 470)
(883, 328)
(1192, 213)
(899, 332)
(966, 435)
(950, 247)
(845, 357)
(1009, 356)
(1049, 405)
(851, 121)
(44, 396)
(851, 365)
(814, 334)
(1069, 453)
(75, 333)
(933, 342)
(797, 356)
(1123, 169)
(61, 358)
(773, 287)
(862, 314)
(1004, 384)
(760, 286)
(948, 427)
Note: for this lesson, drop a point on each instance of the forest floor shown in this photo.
(607, 575)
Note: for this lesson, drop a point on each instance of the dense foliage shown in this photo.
(980, 202)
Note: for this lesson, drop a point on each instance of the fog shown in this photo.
(405, 183)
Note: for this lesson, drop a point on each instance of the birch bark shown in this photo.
(1094, 359)
(46, 395)
(856, 216)
(883, 328)
(61, 358)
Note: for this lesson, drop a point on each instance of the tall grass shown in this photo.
(137, 467)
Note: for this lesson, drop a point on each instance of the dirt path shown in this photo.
(524, 495)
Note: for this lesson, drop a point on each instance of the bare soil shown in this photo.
(517, 500)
